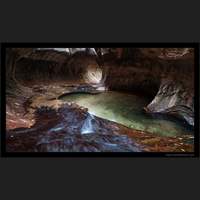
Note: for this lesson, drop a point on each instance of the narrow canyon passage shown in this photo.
(99, 100)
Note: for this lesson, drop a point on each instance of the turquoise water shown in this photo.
(126, 109)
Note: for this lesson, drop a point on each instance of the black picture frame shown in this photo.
(100, 154)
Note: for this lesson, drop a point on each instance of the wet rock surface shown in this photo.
(60, 131)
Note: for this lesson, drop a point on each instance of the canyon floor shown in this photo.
(39, 121)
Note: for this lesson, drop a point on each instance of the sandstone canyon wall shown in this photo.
(165, 74)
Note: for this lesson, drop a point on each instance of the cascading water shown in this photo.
(87, 126)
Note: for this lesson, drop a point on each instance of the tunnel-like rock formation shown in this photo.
(38, 77)
(166, 74)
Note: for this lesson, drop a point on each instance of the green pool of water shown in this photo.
(126, 109)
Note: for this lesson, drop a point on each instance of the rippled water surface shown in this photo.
(126, 109)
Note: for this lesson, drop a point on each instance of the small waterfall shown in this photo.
(87, 126)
